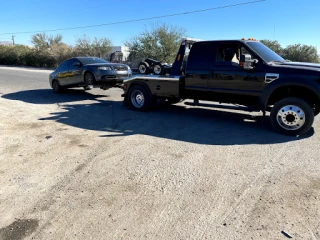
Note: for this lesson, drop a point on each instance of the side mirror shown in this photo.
(76, 64)
(246, 62)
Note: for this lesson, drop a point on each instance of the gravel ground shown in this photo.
(80, 165)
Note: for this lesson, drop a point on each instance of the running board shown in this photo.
(243, 108)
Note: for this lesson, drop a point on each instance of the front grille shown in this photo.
(120, 68)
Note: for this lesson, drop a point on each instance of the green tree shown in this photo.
(98, 47)
(61, 52)
(161, 43)
(42, 41)
(301, 53)
(273, 45)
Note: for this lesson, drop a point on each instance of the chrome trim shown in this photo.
(270, 77)
(151, 77)
(291, 117)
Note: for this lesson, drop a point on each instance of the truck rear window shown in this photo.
(201, 56)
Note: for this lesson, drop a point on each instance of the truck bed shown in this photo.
(159, 85)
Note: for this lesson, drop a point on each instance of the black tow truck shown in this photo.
(243, 72)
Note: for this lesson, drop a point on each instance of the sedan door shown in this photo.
(62, 73)
(75, 71)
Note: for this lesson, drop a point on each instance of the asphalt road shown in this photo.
(80, 165)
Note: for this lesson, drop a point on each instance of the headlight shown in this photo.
(129, 71)
(104, 68)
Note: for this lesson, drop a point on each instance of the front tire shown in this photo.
(89, 79)
(56, 86)
(139, 98)
(292, 116)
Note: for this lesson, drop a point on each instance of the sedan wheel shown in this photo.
(89, 79)
(56, 86)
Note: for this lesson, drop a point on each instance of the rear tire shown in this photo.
(56, 86)
(139, 98)
(292, 116)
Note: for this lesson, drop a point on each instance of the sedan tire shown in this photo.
(89, 79)
(56, 86)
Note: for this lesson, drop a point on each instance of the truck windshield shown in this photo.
(266, 53)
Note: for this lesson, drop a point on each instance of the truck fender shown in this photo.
(267, 92)
(141, 84)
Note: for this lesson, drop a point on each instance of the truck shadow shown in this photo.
(194, 125)
(47, 96)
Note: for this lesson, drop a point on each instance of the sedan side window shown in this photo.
(74, 64)
(63, 66)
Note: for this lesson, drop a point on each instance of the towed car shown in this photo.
(86, 72)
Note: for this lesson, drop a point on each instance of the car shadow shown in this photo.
(47, 96)
(176, 122)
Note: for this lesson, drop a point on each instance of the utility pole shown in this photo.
(13, 39)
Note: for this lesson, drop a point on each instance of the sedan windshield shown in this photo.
(264, 52)
(90, 60)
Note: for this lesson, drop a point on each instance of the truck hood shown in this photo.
(300, 65)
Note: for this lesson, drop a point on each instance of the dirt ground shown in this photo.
(80, 165)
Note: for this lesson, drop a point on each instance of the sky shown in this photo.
(287, 21)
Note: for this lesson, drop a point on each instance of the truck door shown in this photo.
(199, 68)
(229, 78)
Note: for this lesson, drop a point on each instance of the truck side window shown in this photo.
(245, 51)
(228, 55)
(201, 56)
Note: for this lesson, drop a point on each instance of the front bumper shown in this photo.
(112, 76)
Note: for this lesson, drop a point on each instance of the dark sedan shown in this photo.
(86, 72)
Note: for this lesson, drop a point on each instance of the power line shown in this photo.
(138, 20)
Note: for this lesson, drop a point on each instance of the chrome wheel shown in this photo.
(291, 117)
(142, 69)
(157, 69)
(137, 98)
